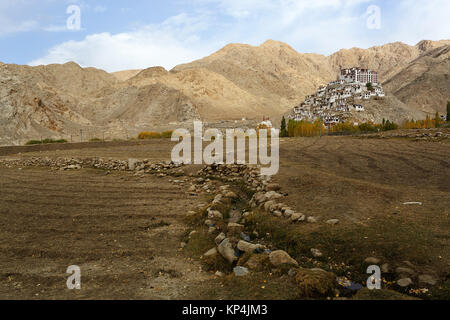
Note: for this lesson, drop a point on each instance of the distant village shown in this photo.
(337, 101)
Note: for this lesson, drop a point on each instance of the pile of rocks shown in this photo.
(139, 166)
(233, 242)
(270, 202)
(250, 174)
(418, 135)
(406, 274)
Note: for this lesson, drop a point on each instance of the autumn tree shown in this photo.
(437, 120)
(283, 129)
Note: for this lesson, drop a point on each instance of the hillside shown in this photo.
(238, 81)
(424, 84)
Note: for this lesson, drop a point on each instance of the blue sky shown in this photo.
(119, 34)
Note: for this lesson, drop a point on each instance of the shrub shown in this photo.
(149, 135)
(45, 141)
(167, 134)
(314, 283)
(31, 142)
(95, 140)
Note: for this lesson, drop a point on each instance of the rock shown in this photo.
(409, 264)
(182, 244)
(218, 199)
(245, 237)
(258, 262)
(405, 271)
(280, 257)
(235, 228)
(316, 253)
(211, 230)
(273, 187)
(404, 282)
(288, 213)
(219, 238)
(208, 222)
(240, 271)
(214, 214)
(426, 279)
(192, 189)
(312, 219)
(385, 268)
(235, 216)
(277, 214)
(132, 164)
(210, 253)
(268, 206)
(315, 283)
(259, 197)
(248, 247)
(292, 272)
(333, 221)
(295, 217)
(192, 233)
(219, 274)
(372, 260)
(272, 195)
(74, 167)
(231, 195)
(227, 251)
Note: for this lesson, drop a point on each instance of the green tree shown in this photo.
(283, 131)
(369, 86)
(437, 120)
(448, 111)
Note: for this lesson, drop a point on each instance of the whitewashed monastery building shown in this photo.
(336, 102)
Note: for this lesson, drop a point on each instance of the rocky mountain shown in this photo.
(424, 84)
(238, 81)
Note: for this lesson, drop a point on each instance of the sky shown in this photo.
(134, 34)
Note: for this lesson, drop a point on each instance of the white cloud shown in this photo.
(321, 26)
(415, 21)
(10, 19)
(167, 44)
(9, 26)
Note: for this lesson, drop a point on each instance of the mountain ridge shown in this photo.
(238, 81)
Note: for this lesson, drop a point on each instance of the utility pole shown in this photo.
(81, 135)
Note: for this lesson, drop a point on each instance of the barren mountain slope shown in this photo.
(235, 82)
(388, 59)
(58, 100)
(214, 96)
(425, 83)
(125, 74)
(273, 70)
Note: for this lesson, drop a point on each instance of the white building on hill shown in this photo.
(336, 102)
(358, 75)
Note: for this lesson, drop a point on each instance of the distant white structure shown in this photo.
(358, 75)
(330, 103)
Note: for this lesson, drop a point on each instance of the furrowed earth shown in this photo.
(128, 224)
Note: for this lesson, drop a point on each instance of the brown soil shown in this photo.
(124, 231)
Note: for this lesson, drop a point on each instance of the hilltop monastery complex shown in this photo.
(337, 101)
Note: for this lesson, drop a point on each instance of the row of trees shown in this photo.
(428, 123)
(307, 129)
(316, 128)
